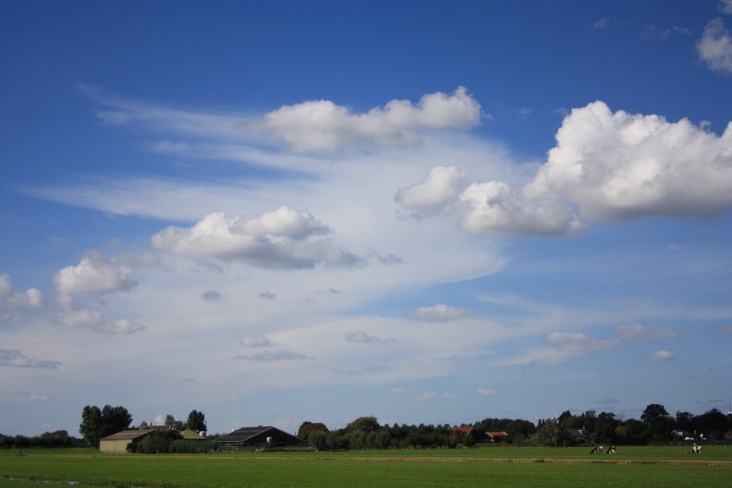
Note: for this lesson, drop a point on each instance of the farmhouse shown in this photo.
(118, 442)
(495, 436)
(462, 430)
(252, 438)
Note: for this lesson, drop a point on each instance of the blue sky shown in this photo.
(429, 212)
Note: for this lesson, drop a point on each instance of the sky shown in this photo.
(425, 211)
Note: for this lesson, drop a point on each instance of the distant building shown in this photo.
(118, 442)
(495, 436)
(192, 435)
(253, 438)
(463, 430)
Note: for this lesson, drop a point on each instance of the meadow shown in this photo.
(494, 465)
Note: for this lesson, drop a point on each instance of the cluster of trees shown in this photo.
(656, 425)
(196, 421)
(98, 423)
(47, 440)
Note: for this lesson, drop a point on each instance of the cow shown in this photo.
(695, 450)
(611, 450)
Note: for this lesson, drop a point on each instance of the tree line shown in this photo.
(656, 426)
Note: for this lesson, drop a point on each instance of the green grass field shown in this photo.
(497, 466)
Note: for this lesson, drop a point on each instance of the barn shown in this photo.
(118, 442)
(254, 438)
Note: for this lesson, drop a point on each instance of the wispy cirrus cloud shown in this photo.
(270, 356)
(15, 358)
(35, 397)
(578, 342)
(441, 313)
(485, 392)
(256, 341)
(361, 337)
(638, 331)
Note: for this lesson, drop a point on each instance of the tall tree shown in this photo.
(307, 428)
(363, 424)
(196, 421)
(658, 421)
(91, 425)
(97, 423)
(174, 424)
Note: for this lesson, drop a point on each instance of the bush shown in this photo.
(157, 442)
(182, 446)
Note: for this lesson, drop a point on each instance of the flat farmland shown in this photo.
(499, 466)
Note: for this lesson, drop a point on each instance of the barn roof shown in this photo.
(192, 435)
(246, 433)
(464, 430)
(130, 434)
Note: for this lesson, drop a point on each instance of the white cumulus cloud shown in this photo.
(662, 356)
(32, 298)
(276, 239)
(619, 165)
(323, 126)
(494, 208)
(441, 187)
(94, 275)
(715, 46)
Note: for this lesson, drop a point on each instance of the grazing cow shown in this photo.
(611, 450)
(695, 450)
(597, 449)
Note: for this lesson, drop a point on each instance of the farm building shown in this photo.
(495, 436)
(463, 430)
(118, 442)
(252, 438)
(192, 435)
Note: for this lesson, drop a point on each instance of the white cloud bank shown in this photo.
(323, 126)
(617, 166)
(277, 239)
(608, 165)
